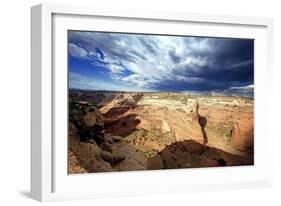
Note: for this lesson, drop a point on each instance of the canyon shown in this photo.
(129, 131)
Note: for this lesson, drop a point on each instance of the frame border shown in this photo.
(41, 77)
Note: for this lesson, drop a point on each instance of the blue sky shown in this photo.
(130, 62)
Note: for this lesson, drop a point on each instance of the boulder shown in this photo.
(107, 156)
(155, 163)
(115, 157)
(118, 155)
(134, 160)
(116, 138)
(107, 146)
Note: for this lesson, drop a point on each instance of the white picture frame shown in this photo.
(49, 179)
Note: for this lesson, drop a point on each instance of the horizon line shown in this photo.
(191, 93)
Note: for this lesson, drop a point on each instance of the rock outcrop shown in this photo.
(130, 158)
(88, 154)
(155, 163)
(88, 120)
(93, 151)
(191, 154)
(243, 135)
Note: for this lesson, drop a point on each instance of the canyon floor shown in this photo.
(126, 131)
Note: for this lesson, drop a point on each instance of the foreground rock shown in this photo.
(133, 159)
(92, 151)
(191, 154)
(88, 154)
(107, 156)
(117, 138)
(155, 163)
(92, 158)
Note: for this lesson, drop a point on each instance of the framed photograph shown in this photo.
(137, 102)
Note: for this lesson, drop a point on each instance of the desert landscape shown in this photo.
(130, 131)
(153, 102)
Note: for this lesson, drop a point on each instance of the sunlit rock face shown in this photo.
(243, 135)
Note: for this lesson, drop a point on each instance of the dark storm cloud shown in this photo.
(229, 63)
(159, 63)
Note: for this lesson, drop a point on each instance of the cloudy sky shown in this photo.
(130, 62)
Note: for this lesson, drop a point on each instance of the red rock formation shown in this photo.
(243, 135)
(129, 131)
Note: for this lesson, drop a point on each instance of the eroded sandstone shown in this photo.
(120, 131)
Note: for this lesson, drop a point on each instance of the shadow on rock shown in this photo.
(191, 154)
(121, 125)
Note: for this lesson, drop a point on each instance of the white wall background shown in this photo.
(15, 101)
